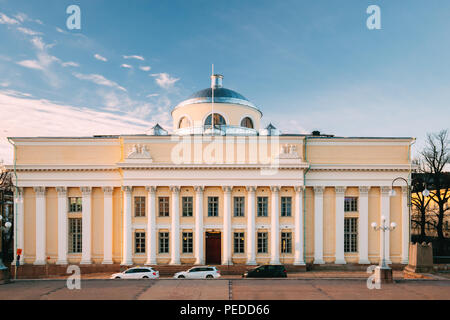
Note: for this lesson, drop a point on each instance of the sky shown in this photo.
(308, 65)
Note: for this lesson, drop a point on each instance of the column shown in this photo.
(275, 226)
(199, 256)
(151, 226)
(19, 238)
(363, 225)
(62, 225)
(386, 212)
(86, 225)
(405, 225)
(318, 225)
(127, 258)
(226, 258)
(298, 228)
(41, 222)
(175, 230)
(251, 225)
(339, 223)
(107, 225)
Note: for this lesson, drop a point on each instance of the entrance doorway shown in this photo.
(213, 248)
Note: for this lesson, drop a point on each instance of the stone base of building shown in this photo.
(30, 271)
(348, 267)
(383, 275)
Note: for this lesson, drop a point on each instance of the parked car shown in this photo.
(267, 271)
(205, 272)
(137, 273)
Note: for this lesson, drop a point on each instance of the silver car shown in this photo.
(205, 272)
(137, 273)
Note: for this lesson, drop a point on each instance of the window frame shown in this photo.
(75, 239)
(351, 235)
(238, 242)
(351, 204)
(239, 206)
(139, 242)
(163, 206)
(287, 236)
(286, 206)
(187, 206)
(188, 243)
(163, 242)
(139, 206)
(262, 242)
(262, 206)
(78, 204)
(213, 206)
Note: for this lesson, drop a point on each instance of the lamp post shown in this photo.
(383, 273)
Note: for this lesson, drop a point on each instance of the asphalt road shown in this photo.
(225, 289)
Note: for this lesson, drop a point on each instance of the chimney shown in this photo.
(216, 81)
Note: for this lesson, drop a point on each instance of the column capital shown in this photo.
(299, 189)
(251, 189)
(175, 189)
(40, 191)
(275, 189)
(227, 189)
(385, 190)
(364, 190)
(62, 191)
(340, 190)
(319, 190)
(108, 191)
(199, 189)
(86, 191)
(151, 189)
(19, 192)
(127, 189)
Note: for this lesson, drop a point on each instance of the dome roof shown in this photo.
(221, 95)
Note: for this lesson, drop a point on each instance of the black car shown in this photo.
(267, 271)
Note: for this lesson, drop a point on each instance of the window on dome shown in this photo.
(218, 120)
(247, 123)
(184, 123)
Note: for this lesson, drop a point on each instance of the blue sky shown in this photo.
(307, 64)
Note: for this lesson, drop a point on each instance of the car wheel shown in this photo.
(144, 277)
(181, 277)
(117, 278)
(209, 276)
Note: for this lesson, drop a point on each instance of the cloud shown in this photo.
(28, 31)
(70, 64)
(134, 57)
(99, 79)
(126, 66)
(37, 117)
(99, 57)
(152, 95)
(164, 80)
(4, 19)
(31, 64)
(145, 68)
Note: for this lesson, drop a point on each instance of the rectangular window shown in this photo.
(350, 204)
(75, 204)
(351, 235)
(286, 206)
(163, 242)
(139, 206)
(163, 206)
(213, 206)
(187, 242)
(286, 242)
(262, 206)
(75, 232)
(186, 204)
(238, 242)
(262, 242)
(239, 206)
(139, 242)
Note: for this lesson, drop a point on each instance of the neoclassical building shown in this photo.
(218, 190)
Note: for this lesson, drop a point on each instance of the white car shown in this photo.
(205, 272)
(137, 273)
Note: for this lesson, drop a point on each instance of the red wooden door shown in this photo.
(213, 248)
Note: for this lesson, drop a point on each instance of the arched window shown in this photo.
(218, 120)
(184, 123)
(247, 123)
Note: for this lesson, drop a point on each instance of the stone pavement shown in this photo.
(224, 289)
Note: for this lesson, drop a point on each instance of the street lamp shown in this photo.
(383, 228)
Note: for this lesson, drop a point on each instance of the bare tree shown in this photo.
(436, 156)
(421, 205)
